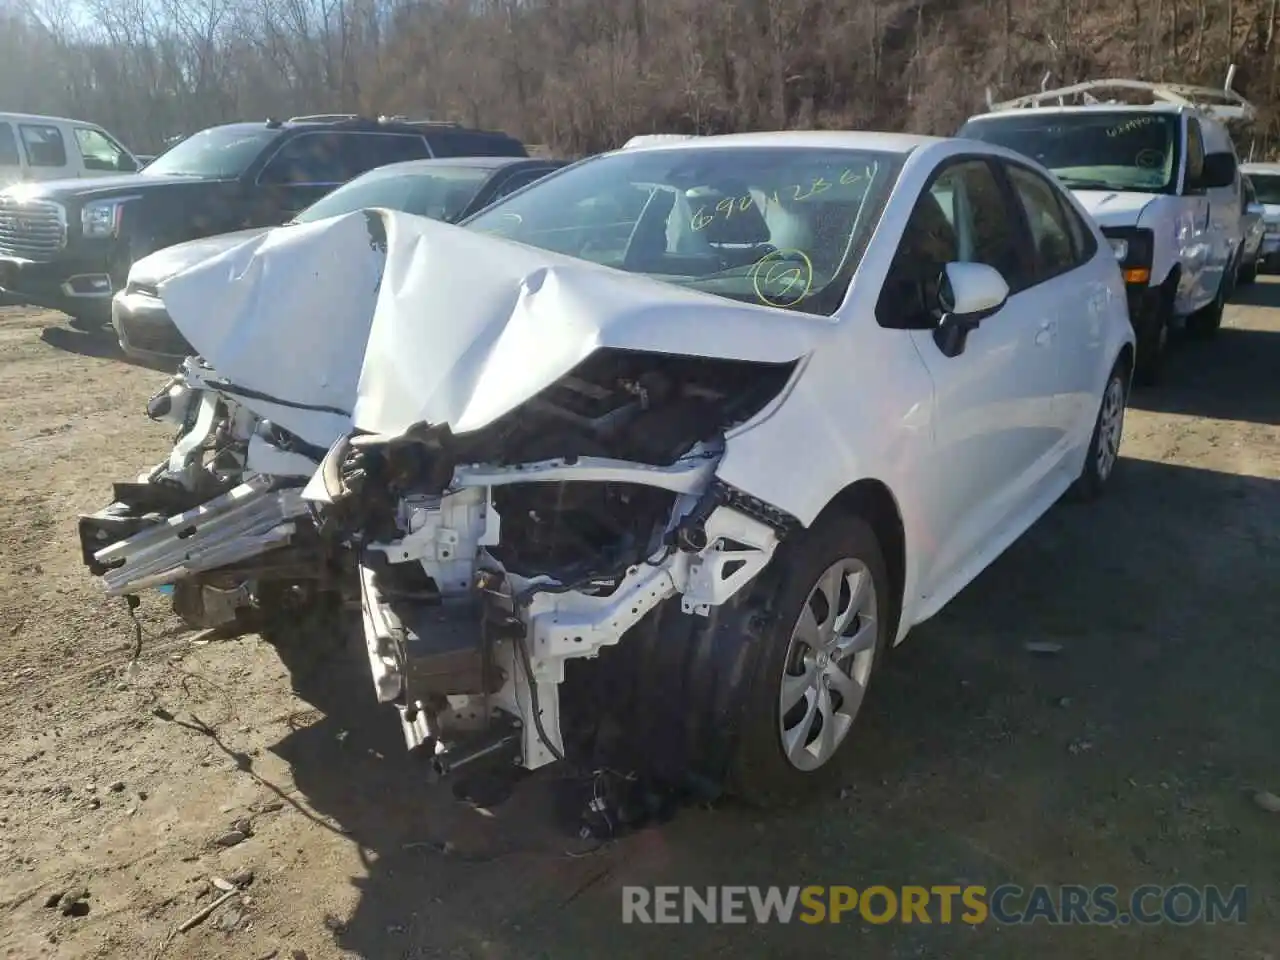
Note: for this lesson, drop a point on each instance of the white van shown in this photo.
(1162, 179)
(54, 148)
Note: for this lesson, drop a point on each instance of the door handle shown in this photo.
(1045, 333)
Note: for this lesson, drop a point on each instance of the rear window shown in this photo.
(471, 143)
(8, 147)
(43, 144)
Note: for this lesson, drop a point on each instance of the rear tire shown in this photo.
(831, 618)
(1108, 430)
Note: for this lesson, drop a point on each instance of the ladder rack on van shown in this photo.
(1222, 104)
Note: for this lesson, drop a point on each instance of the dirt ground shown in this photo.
(1129, 757)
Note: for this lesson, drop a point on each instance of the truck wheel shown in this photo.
(1152, 334)
(830, 624)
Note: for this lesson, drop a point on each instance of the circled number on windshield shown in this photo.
(782, 278)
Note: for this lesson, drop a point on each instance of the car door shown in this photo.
(303, 169)
(1251, 222)
(99, 153)
(1198, 283)
(993, 401)
(1069, 303)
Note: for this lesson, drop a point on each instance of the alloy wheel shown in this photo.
(828, 664)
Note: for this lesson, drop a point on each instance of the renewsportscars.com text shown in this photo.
(1068, 904)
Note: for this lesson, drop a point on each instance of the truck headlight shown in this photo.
(102, 218)
(1120, 248)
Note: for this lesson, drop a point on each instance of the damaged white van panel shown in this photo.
(715, 419)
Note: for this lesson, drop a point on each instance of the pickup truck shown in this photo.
(68, 244)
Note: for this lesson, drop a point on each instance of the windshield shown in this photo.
(219, 153)
(779, 226)
(1267, 186)
(441, 193)
(1099, 150)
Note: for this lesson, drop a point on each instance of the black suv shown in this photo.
(68, 244)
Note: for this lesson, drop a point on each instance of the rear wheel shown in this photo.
(1108, 429)
(832, 616)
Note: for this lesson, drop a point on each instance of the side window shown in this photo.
(1083, 241)
(962, 216)
(99, 151)
(319, 159)
(1051, 238)
(516, 181)
(1248, 195)
(1195, 151)
(8, 147)
(371, 150)
(43, 144)
(463, 143)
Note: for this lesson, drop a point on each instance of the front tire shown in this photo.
(1108, 430)
(1152, 333)
(1248, 273)
(832, 615)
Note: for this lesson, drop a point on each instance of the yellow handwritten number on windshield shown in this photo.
(729, 206)
(779, 280)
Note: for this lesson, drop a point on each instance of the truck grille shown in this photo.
(32, 229)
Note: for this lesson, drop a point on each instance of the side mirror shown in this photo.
(1219, 171)
(968, 293)
(126, 164)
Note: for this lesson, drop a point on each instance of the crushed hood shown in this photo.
(399, 320)
(1114, 208)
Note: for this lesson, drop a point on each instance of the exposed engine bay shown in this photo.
(483, 563)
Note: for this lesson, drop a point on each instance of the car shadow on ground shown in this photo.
(1125, 757)
(1196, 381)
(98, 342)
(94, 342)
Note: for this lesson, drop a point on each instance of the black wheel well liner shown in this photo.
(667, 701)
(1125, 356)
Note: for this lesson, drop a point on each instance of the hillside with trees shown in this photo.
(582, 75)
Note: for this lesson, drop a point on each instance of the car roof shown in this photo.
(819, 139)
(38, 117)
(1261, 166)
(357, 125)
(425, 166)
(1081, 108)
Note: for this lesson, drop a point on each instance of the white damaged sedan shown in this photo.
(647, 465)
